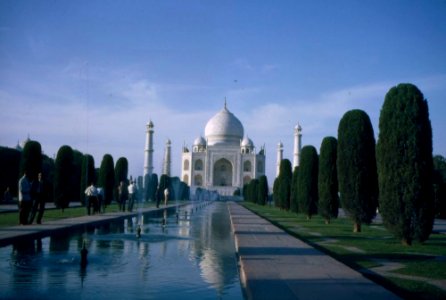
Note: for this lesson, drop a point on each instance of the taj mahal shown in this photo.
(223, 160)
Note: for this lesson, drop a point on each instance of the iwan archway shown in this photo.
(222, 173)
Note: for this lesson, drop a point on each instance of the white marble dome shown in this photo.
(200, 141)
(247, 142)
(224, 128)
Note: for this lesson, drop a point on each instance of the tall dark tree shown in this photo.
(78, 158)
(307, 180)
(87, 175)
(440, 186)
(294, 206)
(121, 170)
(121, 173)
(276, 197)
(9, 170)
(163, 184)
(404, 154)
(285, 176)
(328, 180)
(152, 186)
(63, 177)
(48, 170)
(106, 178)
(262, 197)
(253, 190)
(31, 159)
(356, 164)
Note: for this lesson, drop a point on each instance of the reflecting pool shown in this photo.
(184, 254)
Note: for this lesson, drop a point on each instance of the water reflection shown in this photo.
(187, 253)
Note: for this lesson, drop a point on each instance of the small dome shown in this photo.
(247, 142)
(280, 145)
(200, 141)
(224, 127)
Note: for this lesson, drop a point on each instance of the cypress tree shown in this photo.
(263, 190)
(31, 162)
(121, 170)
(276, 186)
(48, 169)
(76, 191)
(307, 181)
(253, 188)
(164, 183)
(440, 186)
(294, 201)
(152, 186)
(87, 175)
(328, 180)
(121, 173)
(285, 176)
(63, 177)
(405, 164)
(106, 178)
(10, 169)
(356, 164)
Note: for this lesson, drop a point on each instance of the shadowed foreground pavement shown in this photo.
(275, 265)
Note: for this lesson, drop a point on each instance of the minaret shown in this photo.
(279, 157)
(167, 160)
(297, 145)
(148, 151)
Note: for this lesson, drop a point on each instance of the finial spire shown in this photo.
(225, 104)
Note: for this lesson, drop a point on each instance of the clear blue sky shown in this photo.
(91, 74)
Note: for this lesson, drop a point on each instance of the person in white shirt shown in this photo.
(92, 197)
(132, 193)
(25, 201)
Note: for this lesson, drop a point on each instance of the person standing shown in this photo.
(91, 192)
(25, 202)
(101, 205)
(39, 195)
(131, 190)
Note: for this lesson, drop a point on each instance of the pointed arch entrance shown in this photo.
(222, 173)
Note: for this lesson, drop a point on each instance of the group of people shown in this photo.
(95, 199)
(127, 193)
(32, 196)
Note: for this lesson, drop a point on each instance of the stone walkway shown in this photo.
(275, 265)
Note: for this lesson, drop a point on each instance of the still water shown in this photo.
(190, 255)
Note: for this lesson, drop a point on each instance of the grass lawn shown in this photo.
(409, 270)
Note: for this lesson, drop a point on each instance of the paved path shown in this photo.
(275, 265)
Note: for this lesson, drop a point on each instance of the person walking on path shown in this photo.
(132, 192)
(25, 202)
(39, 196)
(92, 194)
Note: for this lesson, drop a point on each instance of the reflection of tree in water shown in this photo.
(59, 243)
(217, 257)
(26, 264)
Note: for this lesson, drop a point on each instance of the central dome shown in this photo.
(224, 128)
